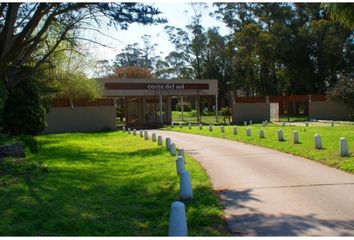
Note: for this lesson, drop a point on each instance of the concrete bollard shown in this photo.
(168, 142)
(235, 130)
(177, 224)
(306, 123)
(245, 123)
(173, 149)
(123, 128)
(318, 142)
(266, 122)
(200, 126)
(263, 124)
(134, 132)
(185, 191)
(332, 124)
(180, 165)
(222, 129)
(296, 137)
(146, 135)
(153, 136)
(172, 124)
(190, 126)
(180, 125)
(180, 152)
(280, 135)
(159, 140)
(283, 124)
(141, 133)
(129, 131)
(248, 132)
(343, 147)
(251, 122)
(210, 128)
(261, 133)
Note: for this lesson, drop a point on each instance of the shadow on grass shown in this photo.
(249, 221)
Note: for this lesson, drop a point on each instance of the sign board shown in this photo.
(156, 86)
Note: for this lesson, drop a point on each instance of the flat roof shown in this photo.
(154, 87)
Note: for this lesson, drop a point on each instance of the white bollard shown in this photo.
(222, 129)
(129, 131)
(332, 124)
(343, 147)
(261, 133)
(180, 125)
(123, 128)
(190, 126)
(159, 140)
(296, 137)
(173, 149)
(248, 132)
(283, 124)
(172, 124)
(306, 123)
(266, 122)
(180, 165)
(210, 128)
(141, 133)
(153, 136)
(318, 142)
(263, 124)
(185, 191)
(251, 122)
(245, 123)
(168, 142)
(200, 126)
(177, 224)
(280, 135)
(134, 132)
(180, 152)
(146, 135)
(235, 130)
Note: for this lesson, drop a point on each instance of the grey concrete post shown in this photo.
(200, 126)
(173, 149)
(172, 124)
(280, 135)
(180, 125)
(185, 191)
(343, 147)
(283, 124)
(306, 123)
(263, 124)
(134, 132)
(168, 142)
(295, 137)
(146, 135)
(177, 224)
(190, 126)
(251, 122)
(332, 123)
(261, 133)
(180, 152)
(222, 129)
(159, 140)
(123, 128)
(318, 142)
(180, 165)
(141, 133)
(153, 136)
(248, 132)
(129, 131)
(210, 128)
(235, 130)
(245, 123)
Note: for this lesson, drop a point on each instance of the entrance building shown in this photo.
(148, 101)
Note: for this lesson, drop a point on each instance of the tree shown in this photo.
(25, 26)
(341, 12)
(131, 72)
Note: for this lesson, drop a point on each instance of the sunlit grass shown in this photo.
(103, 184)
(330, 140)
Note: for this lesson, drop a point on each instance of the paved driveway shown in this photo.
(269, 193)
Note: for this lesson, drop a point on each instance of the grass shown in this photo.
(101, 184)
(329, 155)
(189, 117)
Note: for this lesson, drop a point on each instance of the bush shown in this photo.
(24, 110)
(30, 142)
(186, 106)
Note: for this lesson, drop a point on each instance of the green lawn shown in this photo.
(189, 117)
(101, 184)
(330, 140)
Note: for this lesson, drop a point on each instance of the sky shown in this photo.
(174, 12)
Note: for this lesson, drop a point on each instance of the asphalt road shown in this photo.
(269, 193)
